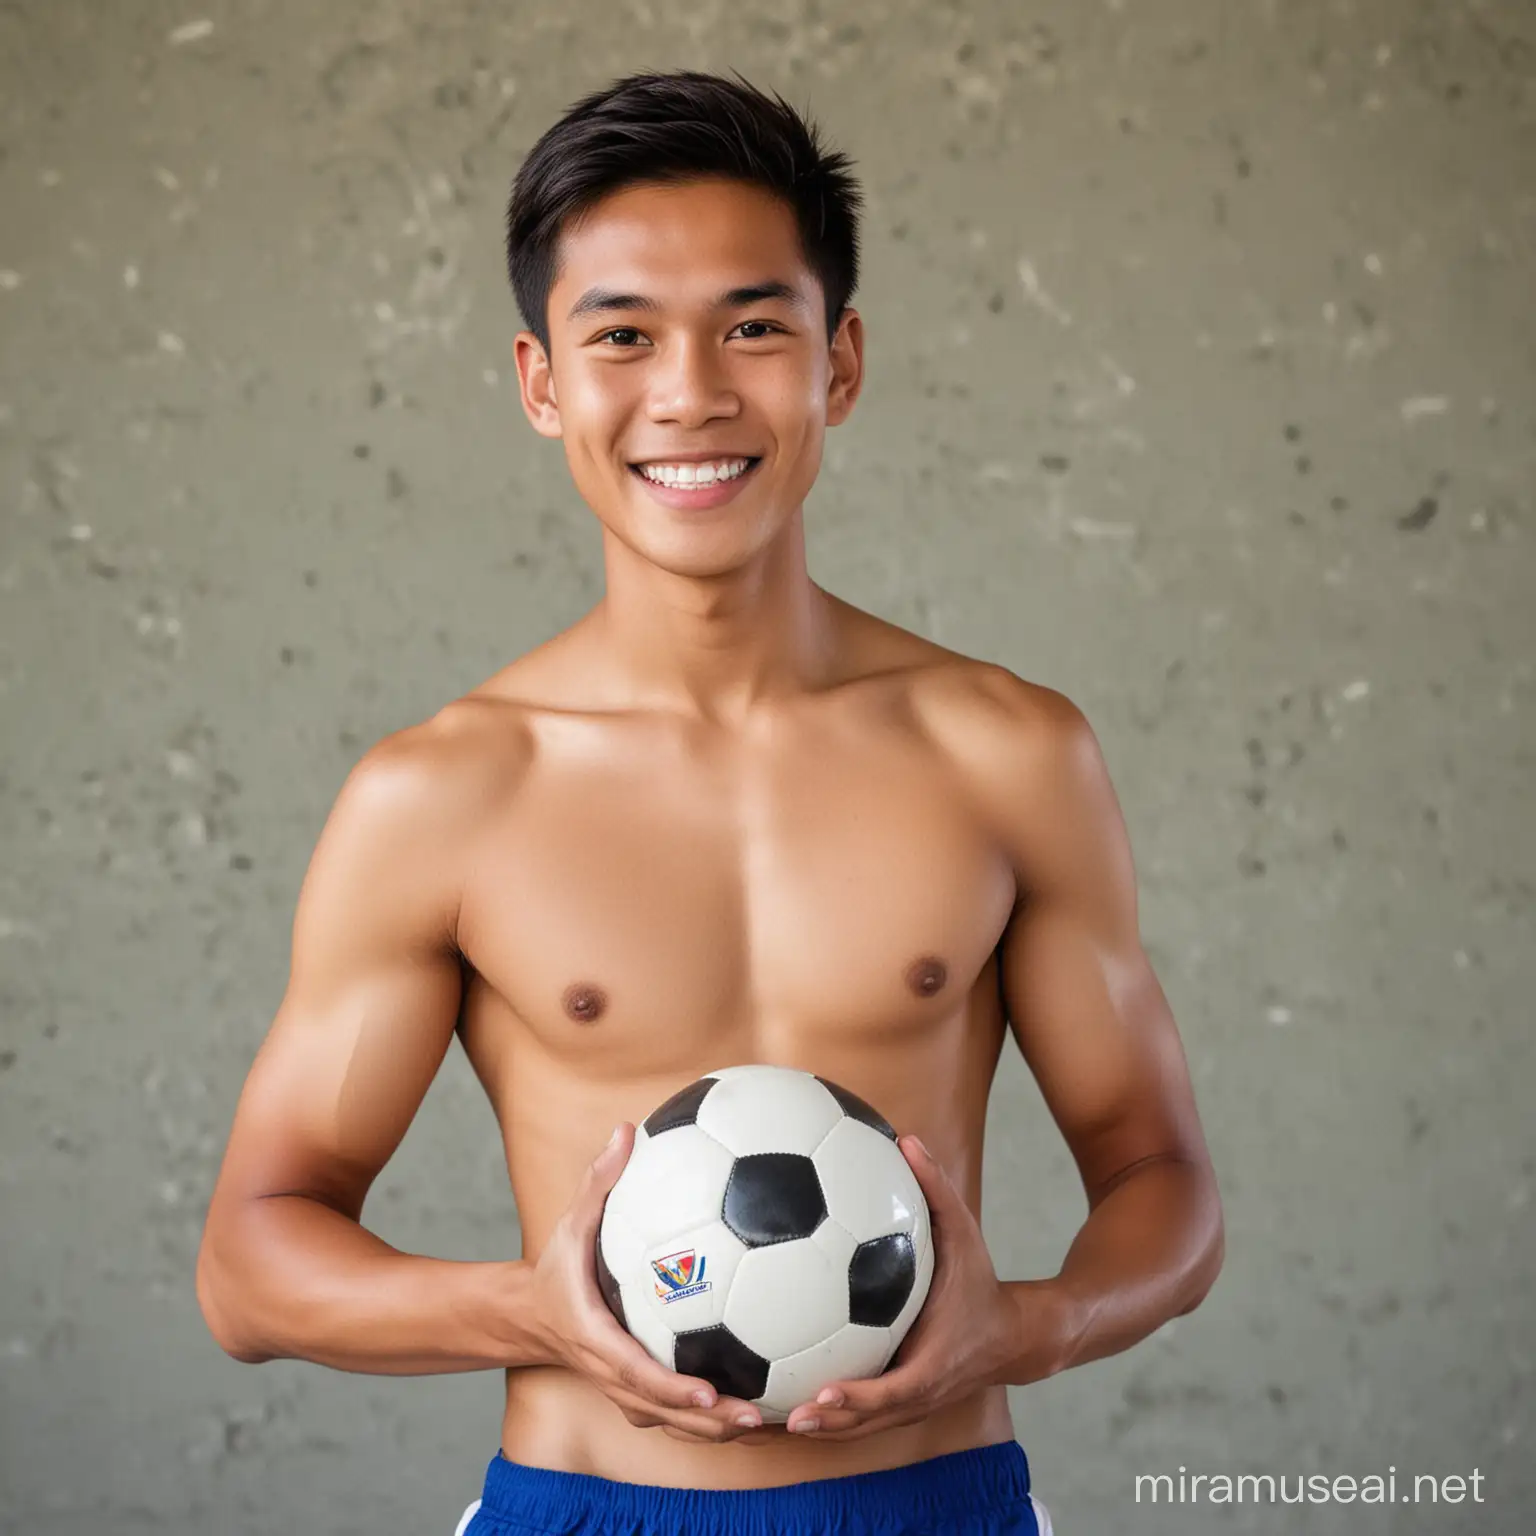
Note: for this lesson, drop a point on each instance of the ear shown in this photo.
(536, 382)
(846, 359)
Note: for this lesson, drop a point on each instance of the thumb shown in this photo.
(584, 1212)
(937, 1189)
(604, 1170)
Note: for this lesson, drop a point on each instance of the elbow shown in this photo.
(1203, 1280)
(1204, 1272)
(219, 1313)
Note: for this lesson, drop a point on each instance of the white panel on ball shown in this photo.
(700, 1303)
(671, 1182)
(769, 1109)
(837, 1243)
(868, 1185)
(785, 1298)
(623, 1248)
(851, 1354)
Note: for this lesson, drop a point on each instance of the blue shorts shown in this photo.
(980, 1492)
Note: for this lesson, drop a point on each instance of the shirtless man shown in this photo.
(725, 817)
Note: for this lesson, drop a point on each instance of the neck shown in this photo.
(714, 647)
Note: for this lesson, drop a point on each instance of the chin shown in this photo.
(699, 563)
(697, 552)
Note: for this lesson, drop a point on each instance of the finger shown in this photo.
(817, 1421)
(696, 1426)
(830, 1419)
(860, 1429)
(727, 1413)
(714, 1425)
(884, 1401)
(633, 1371)
(723, 1436)
(637, 1371)
(903, 1381)
(852, 1400)
(738, 1415)
(642, 1374)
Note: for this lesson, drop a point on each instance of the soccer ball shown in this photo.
(766, 1235)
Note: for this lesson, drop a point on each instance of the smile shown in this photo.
(726, 478)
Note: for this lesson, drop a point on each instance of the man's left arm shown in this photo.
(1095, 1029)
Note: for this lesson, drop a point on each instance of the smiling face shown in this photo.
(685, 326)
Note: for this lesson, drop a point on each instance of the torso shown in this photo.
(655, 900)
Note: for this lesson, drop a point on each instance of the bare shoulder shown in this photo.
(952, 693)
(468, 749)
(996, 728)
(401, 837)
(432, 783)
(1023, 753)
(990, 717)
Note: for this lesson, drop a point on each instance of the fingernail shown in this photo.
(613, 1140)
(704, 1398)
(830, 1397)
(805, 1426)
(747, 1421)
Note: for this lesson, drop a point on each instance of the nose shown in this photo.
(691, 384)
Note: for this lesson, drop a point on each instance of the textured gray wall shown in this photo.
(1201, 388)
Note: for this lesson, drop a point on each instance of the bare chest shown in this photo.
(634, 908)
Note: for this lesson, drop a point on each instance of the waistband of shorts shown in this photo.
(940, 1488)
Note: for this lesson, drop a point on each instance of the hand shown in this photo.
(964, 1338)
(582, 1334)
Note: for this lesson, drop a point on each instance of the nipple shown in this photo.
(584, 1002)
(927, 975)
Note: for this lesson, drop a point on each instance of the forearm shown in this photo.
(1149, 1251)
(287, 1277)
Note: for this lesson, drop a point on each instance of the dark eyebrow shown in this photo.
(596, 301)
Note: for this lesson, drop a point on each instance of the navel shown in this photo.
(584, 1002)
(927, 975)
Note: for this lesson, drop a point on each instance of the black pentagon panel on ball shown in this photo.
(881, 1275)
(610, 1288)
(721, 1359)
(681, 1109)
(773, 1197)
(856, 1109)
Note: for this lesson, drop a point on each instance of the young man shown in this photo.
(725, 817)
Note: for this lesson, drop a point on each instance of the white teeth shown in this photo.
(694, 474)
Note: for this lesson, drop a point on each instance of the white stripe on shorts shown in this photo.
(466, 1517)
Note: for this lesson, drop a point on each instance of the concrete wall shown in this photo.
(1201, 388)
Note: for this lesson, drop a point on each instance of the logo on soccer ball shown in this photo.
(678, 1275)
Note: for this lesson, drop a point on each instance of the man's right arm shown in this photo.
(286, 1270)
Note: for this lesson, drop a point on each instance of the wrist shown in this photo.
(1048, 1323)
(514, 1315)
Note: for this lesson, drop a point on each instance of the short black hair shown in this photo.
(680, 127)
